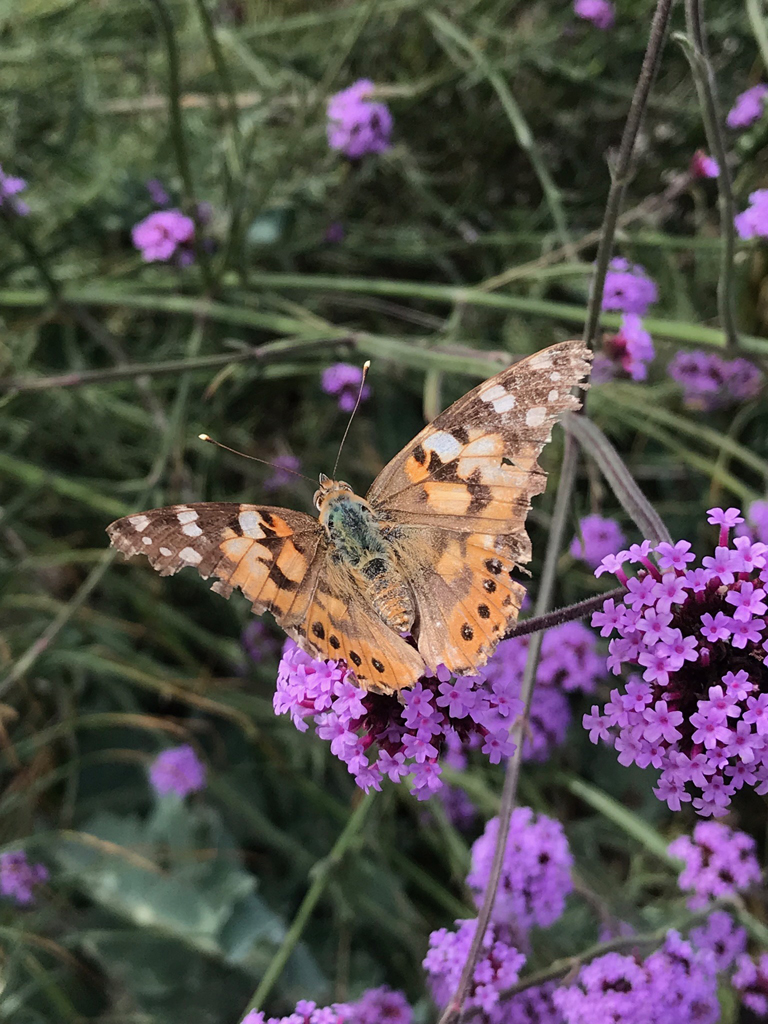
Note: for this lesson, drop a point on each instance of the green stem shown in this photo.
(323, 872)
(757, 21)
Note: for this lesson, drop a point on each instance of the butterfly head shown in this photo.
(330, 489)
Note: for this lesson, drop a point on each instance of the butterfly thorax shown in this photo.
(357, 540)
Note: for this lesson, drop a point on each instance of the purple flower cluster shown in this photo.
(157, 193)
(748, 107)
(497, 968)
(407, 736)
(751, 982)
(19, 878)
(625, 354)
(703, 165)
(628, 288)
(756, 526)
(718, 862)
(9, 189)
(258, 642)
(177, 770)
(356, 124)
(600, 536)
(722, 937)
(285, 469)
(709, 382)
(698, 636)
(600, 12)
(753, 222)
(343, 379)
(675, 983)
(376, 1006)
(458, 807)
(163, 234)
(536, 875)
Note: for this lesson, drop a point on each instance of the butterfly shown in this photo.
(418, 573)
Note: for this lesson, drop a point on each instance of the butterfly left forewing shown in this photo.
(273, 555)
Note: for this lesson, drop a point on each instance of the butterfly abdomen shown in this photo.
(390, 594)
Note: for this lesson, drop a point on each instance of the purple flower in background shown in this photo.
(285, 467)
(162, 233)
(627, 353)
(497, 968)
(756, 526)
(381, 1006)
(599, 537)
(356, 124)
(709, 382)
(9, 189)
(675, 983)
(307, 1012)
(753, 222)
(718, 862)
(703, 165)
(334, 233)
(343, 379)
(599, 12)
(177, 770)
(258, 642)
(722, 937)
(696, 639)
(748, 107)
(628, 288)
(19, 878)
(157, 193)
(536, 876)
(751, 982)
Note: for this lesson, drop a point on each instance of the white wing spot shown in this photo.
(187, 515)
(139, 522)
(165, 552)
(555, 376)
(553, 395)
(505, 404)
(250, 524)
(497, 391)
(146, 540)
(536, 416)
(191, 530)
(541, 361)
(190, 556)
(443, 444)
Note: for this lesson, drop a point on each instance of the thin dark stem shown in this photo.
(178, 137)
(511, 778)
(621, 173)
(706, 87)
(539, 623)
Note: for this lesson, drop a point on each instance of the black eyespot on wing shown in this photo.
(461, 434)
(334, 641)
(318, 631)
(483, 611)
(419, 454)
(355, 658)
(377, 664)
(493, 565)
(489, 586)
(467, 632)
(435, 463)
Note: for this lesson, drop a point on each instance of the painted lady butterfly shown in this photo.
(429, 552)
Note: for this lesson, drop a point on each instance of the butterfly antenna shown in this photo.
(366, 368)
(283, 469)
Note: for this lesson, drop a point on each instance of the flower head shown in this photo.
(722, 937)
(162, 234)
(753, 221)
(748, 107)
(157, 193)
(599, 537)
(19, 878)
(600, 12)
(9, 189)
(356, 124)
(696, 637)
(381, 1006)
(751, 981)
(704, 166)
(177, 770)
(718, 862)
(285, 467)
(627, 353)
(628, 288)
(710, 382)
(343, 379)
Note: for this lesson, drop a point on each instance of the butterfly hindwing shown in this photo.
(273, 555)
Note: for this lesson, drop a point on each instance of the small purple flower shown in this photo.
(162, 233)
(725, 940)
(710, 382)
(177, 770)
(381, 1006)
(600, 12)
(157, 193)
(628, 288)
(753, 221)
(599, 537)
(343, 379)
(356, 124)
(718, 862)
(9, 189)
(704, 166)
(285, 469)
(18, 878)
(536, 875)
(751, 982)
(627, 353)
(748, 107)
